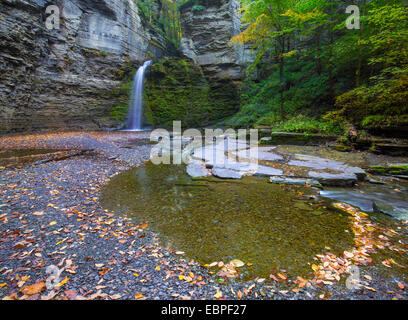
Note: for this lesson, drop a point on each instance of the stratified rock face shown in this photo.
(206, 40)
(63, 79)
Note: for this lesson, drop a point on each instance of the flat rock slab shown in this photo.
(295, 181)
(334, 179)
(266, 171)
(234, 159)
(197, 169)
(391, 149)
(324, 164)
(225, 173)
(293, 138)
(260, 155)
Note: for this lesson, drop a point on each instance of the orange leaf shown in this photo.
(33, 289)
(138, 296)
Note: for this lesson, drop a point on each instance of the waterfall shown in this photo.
(135, 115)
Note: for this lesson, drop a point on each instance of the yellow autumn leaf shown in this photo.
(138, 296)
(63, 282)
(218, 294)
(237, 263)
(52, 223)
(157, 268)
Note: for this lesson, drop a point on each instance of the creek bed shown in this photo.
(268, 226)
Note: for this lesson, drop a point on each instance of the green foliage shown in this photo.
(381, 101)
(197, 8)
(304, 124)
(119, 112)
(308, 63)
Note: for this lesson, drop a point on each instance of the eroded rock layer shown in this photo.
(63, 79)
(207, 31)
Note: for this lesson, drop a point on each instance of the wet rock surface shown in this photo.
(295, 181)
(197, 169)
(233, 158)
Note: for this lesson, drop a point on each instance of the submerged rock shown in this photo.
(390, 210)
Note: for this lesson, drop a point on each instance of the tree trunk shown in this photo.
(317, 54)
(360, 38)
(331, 81)
(282, 85)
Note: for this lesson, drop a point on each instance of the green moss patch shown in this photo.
(176, 89)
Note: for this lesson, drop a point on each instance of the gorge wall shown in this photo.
(79, 76)
(63, 79)
(208, 26)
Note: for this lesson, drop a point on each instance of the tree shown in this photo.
(268, 29)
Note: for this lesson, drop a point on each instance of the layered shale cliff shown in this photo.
(63, 79)
(208, 26)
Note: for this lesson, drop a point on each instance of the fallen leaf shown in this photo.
(33, 289)
(218, 294)
(63, 282)
(237, 263)
(138, 296)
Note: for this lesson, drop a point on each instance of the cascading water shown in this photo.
(134, 121)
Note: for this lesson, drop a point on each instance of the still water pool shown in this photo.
(266, 225)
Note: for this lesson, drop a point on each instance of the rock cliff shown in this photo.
(63, 79)
(208, 26)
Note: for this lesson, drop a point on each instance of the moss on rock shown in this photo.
(392, 169)
(176, 89)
